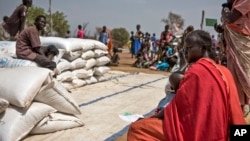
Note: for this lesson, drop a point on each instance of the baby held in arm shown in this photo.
(171, 88)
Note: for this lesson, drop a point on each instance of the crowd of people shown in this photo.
(153, 53)
(164, 53)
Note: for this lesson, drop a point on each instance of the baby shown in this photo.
(173, 85)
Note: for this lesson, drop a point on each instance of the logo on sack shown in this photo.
(3, 62)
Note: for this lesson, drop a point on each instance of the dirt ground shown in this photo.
(125, 65)
(126, 62)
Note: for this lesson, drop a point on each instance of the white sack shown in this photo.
(16, 122)
(86, 44)
(101, 61)
(61, 43)
(101, 78)
(20, 85)
(83, 73)
(56, 122)
(58, 97)
(66, 76)
(3, 105)
(90, 63)
(8, 47)
(77, 83)
(78, 63)
(58, 57)
(99, 52)
(63, 66)
(9, 62)
(88, 54)
(91, 80)
(101, 70)
(70, 56)
(68, 85)
(100, 45)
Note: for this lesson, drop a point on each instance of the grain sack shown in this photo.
(24, 85)
(61, 43)
(86, 44)
(88, 54)
(99, 53)
(9, 62)
(3, 105)
(58, 57)
(101, 78)
(77, 83)
(99, 71)
(67, 85)
(8, 47)
(101, 61)
(91, 80)
(78, 63)
(71, 56)
(56, 122)
(58, 97)
(63, 65)
(90, 63)
(66, 76)
(16, 122)
(100, 45)
(83, 73)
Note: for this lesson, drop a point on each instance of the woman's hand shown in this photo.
(218, 28)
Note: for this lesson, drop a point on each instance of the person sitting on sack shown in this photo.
(28, 45)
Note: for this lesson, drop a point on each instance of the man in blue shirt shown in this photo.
(104, 36)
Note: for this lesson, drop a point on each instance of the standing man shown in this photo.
(213, 42)
(80, 32)
(138, 40)
(104, 36)
(16, 22)
(28, 45)
(237, 36)
(132, 48)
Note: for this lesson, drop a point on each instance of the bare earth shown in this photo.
(126, 65)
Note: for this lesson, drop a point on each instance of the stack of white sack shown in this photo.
(32, 102)
(79, 62)
(84, 61)
(8, 57)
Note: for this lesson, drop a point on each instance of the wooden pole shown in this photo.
(50, 13)
(202, 19)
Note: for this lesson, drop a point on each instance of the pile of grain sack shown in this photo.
(34, 102)
(80, 61)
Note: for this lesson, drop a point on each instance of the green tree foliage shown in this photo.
(174, 21)
(32, 13)
(120, 35)
(59, 23)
